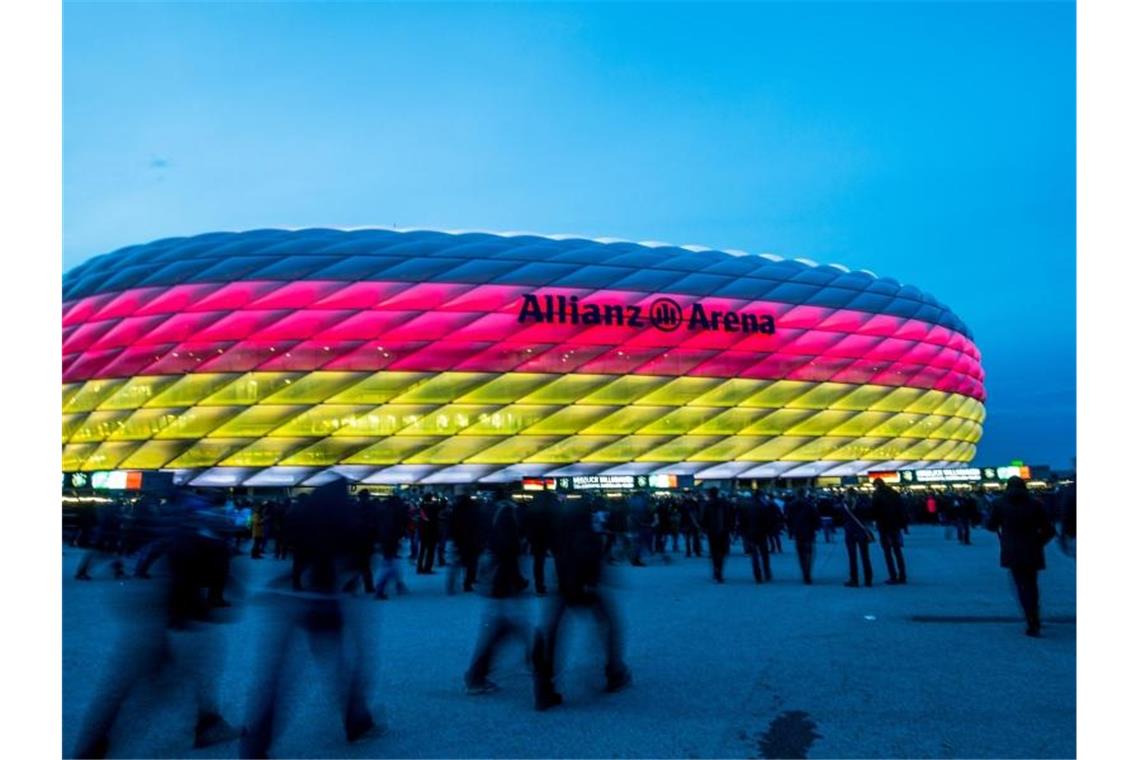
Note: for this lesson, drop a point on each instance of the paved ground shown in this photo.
(780, 670)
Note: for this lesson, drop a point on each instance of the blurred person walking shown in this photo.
(856, 512)
(717, 518)
(803, 523)
(890, 517)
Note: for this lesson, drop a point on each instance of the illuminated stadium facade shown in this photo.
(277, 357)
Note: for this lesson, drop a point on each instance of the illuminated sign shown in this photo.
(939, 475)
(665, 314)
(1013, 471)
(117, 480)
(618, 482)
(538, 484)
(886, 477)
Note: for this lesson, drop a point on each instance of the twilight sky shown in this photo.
(930, 142)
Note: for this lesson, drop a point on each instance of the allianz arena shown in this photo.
(278, 357)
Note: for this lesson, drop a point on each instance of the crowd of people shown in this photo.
(328, 540)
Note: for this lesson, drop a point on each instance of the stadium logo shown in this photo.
(664, 314)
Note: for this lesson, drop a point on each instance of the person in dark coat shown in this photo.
(465, 531)
(855, 513)
(691, 525)
(539, 515)
(392, 524)
(1024, 529)
(755, 528)
(501, 581)
(430, 510)
(890, 516)
(717, 519)
(579, 561)
(803, 523)
(1069, 520)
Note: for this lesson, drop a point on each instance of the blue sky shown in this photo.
(931, 142)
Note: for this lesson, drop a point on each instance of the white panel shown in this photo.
(769, 470)
(841, 469)
(278, 476)
(460, 473)
(632, 468)
(681, 468)
(723, 471)
(809, 470)
(223, 476)
(579, 468)
(401, 473)
(515, 472)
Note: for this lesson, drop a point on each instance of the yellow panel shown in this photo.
(99, 426)
(860, 448)
(942, 451)
(680, 420)
(774, 449)
(625, 419)
(569, 420)
(822, 396)
(75, 453)
(250, 388)
(153, 455)
(197, 422)
(680, 391)
(144, 423)
(728, 449)
(980, 417)
(69, 391)
(861, 423)
(385, 420)
(973, 410)
(71, 424)
(327, 451)
(927, 403)
(731, 392)
(443, 388)
(821, 423)
(510, 420)
(895, 448)
(951, 404)
(379, 388)
(454, 450)
(897, 400)
(823, 447)
(314, 387)
(319, 421)
(264, 452)
(571, 449)
(920, 450)
(929, 426)
(109, 455)
(625, 389)
(777, 422)
(508, 388)
(970, 432)
(138, 391)
(566, 389)
(390, 450)
(779, 394)
(963, 452)
(449, 420)
(862, 398)
(731, 421)
(256, 421)
(896, 425)
(514, 450)
(190, 389)
(207, 452)
(627, 449)
(91, 394)
(681, 448)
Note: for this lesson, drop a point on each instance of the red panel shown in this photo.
(236, 295)
(245, 356)
(301, 324)
(890, 349)
(812, 342)
(729, 364)
(84, 335)
(297, 295)
(775, 366)
(436, 325)
(622, 360)
(133, 360)
(503, 357)
(913, 329)
(804, 316)
(562, 358)
(186, 357)
(487, 298)
(240, 325)
(127, 303)
(127, 331)
(820, 369)
(178, 299)
(180, 327)
(86, 365)
(360, 295)
(438, 357)
(308, 356)
(364, 326)
(881, 324)
(855, 346)
(373, 356)
(424, 296)
(677, 361)
(84, 309)
(489, 327)
(845, 320)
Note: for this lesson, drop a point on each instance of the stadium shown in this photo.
(285, 357)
